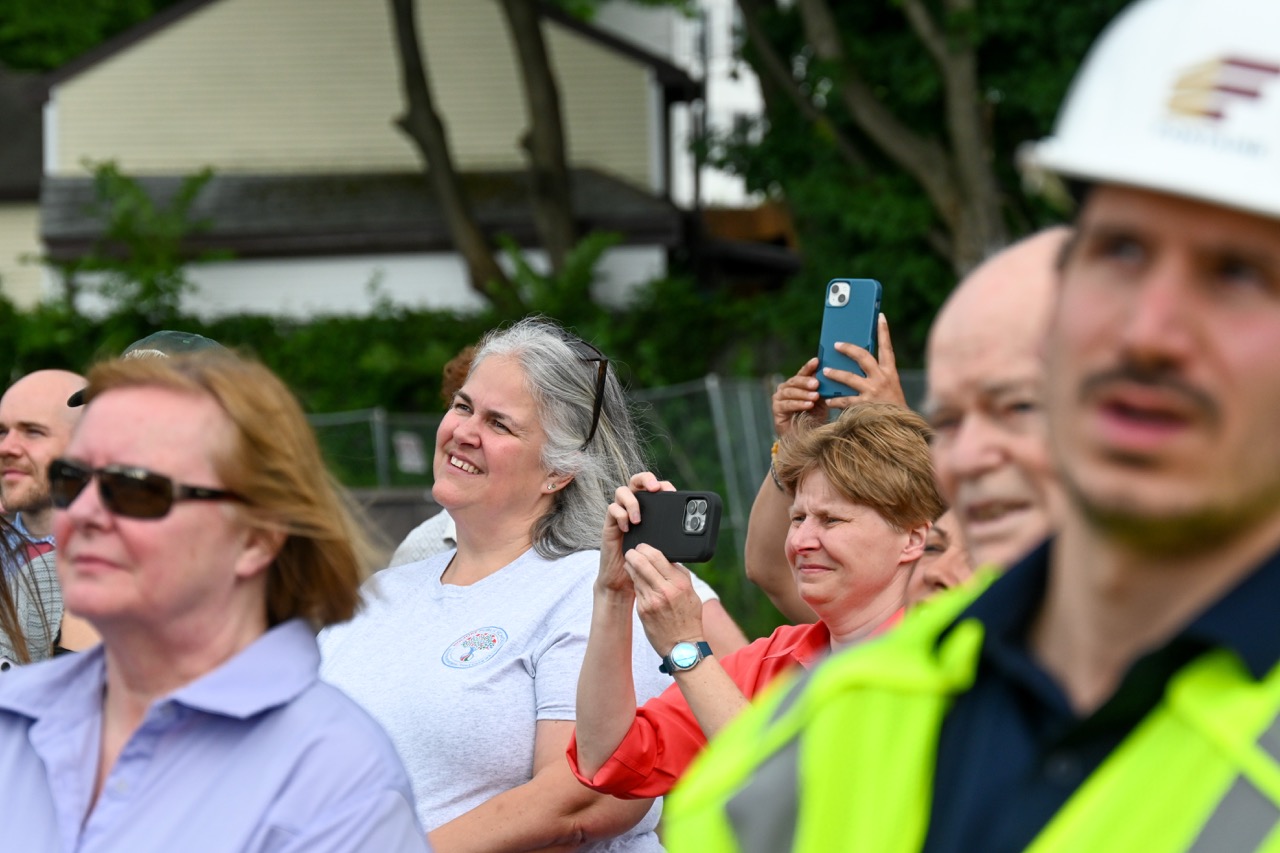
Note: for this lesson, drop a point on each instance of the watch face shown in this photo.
(684, 655)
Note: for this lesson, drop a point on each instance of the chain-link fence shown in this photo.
(713, 433)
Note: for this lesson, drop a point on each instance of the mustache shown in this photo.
(1152, 377)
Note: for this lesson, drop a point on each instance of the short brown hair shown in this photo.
(875, 455)
(454, 374)
(274, 463)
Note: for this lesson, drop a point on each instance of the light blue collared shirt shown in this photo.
(257, 755)
(17, 538)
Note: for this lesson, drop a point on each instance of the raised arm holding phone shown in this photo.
(861, 502)
(765, 560)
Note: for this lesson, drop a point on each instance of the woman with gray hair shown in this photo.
(470, 658)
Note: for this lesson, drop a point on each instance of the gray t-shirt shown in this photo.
(460, 675)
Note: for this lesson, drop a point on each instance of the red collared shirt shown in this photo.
(665, 736)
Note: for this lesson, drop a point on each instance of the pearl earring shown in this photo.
(551, 487)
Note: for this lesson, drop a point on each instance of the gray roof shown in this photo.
(308, 215)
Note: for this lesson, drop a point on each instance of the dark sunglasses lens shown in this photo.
(66, 482)
(136, 495)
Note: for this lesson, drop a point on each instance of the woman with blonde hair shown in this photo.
(199, 533)
(862, 502)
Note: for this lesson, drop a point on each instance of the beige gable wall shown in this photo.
(309, 85)
(22, 281)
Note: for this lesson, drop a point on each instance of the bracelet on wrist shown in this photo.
(773, 472)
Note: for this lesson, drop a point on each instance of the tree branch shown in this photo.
(545, 142)
(777, 71)
(982, 228)
(422, 124)
(933, 39)
(926, 161)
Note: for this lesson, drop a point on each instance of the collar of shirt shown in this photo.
(26, 534)
(809, 645)
(1242, 620)
(270, 672)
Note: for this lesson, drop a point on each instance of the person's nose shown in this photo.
(976, 447)
(10, 444)
(1157, 326)
(803, 538)
(467, 431)
(86, 507)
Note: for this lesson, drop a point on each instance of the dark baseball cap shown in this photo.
(159, 345)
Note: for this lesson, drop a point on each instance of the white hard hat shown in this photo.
(1179, 96)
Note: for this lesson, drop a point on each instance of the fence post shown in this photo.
(381, 449)
(721, 422)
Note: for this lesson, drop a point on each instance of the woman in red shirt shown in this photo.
(863, 500)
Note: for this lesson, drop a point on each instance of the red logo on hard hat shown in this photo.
(1207, 89)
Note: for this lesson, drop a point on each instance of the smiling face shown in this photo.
(1165, 384)
(848, 563)
(488, 461)
(986, 381)
(191, 573)
(35, 426)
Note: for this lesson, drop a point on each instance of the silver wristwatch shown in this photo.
(684, 657)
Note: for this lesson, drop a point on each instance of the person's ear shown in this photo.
(557, 482)
(913, 548)
(259, 551)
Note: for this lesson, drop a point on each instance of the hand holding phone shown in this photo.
(850, 314)
(682, 525)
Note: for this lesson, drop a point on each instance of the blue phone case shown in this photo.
(851, 309)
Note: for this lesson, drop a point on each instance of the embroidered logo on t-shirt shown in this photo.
(474, 647)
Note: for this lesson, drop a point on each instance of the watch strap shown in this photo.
(668, 666)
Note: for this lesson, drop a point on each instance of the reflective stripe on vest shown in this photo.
(765, 812)
(815, 769)
(1244, 818)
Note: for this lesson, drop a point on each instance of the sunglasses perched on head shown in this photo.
(127, 491)
(586, 352)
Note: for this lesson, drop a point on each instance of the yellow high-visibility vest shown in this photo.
(843, 758)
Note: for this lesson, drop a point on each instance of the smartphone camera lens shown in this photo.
(842, 299)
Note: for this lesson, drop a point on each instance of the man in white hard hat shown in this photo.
(1118, 689)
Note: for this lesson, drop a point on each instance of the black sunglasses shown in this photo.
(125, 491)
(588, 353)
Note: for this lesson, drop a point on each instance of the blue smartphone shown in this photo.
(850, 314)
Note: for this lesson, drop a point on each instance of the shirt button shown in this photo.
(1062, 768)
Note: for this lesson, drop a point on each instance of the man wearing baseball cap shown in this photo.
(1118, 689)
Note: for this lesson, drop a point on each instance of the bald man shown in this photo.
(35, 426)
(985, 399)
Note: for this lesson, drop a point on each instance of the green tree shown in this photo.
(41, 35)
(891, 129)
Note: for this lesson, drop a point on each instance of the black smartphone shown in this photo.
(682, 525)
(851, 314)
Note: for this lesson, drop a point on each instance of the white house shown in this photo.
(320, 197)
